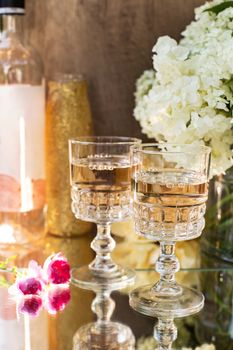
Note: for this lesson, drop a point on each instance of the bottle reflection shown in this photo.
(9, 324)
(104, 334)
(20, 331)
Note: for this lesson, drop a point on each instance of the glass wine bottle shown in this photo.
(22, 110)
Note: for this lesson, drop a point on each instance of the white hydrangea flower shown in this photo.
(144, 84)
(188, 97)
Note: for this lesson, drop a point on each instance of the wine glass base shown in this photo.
(85, 278)
(113, 336)
(147, 302)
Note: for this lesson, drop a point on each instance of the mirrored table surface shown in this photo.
(213, 325)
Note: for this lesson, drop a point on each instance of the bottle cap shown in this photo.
(12, 7)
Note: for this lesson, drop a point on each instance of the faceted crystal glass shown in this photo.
(100, 170)
(170, 189)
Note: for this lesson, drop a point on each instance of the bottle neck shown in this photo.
(11, 26)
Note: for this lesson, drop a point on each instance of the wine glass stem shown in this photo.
(103, 306)
(167, 265)
(103, 244)
(165, 333)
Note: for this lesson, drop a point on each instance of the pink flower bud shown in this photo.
(30, 304)
(57, 298)
(29, 285)
(57, 269)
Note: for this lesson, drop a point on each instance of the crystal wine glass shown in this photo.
(170, 186)
(100, 179)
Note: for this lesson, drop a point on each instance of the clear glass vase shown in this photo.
(218, 237)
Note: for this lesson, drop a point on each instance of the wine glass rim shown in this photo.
(185, 148)
(105, 140)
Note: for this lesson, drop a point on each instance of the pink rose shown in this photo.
(37, 287)
(57, 269)
(57, 298)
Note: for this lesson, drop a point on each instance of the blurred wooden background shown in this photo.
(110, 41)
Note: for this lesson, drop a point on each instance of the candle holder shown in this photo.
(68, 113)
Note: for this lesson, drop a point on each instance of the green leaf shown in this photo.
(4, 282)
(12, 257)
(219, 8)
(4, 265)
(225, 200)
(225, 225)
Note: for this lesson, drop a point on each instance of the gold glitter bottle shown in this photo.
(68, 115)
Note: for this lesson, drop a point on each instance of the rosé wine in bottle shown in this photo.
(22, 114)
